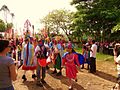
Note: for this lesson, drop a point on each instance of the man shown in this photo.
(41, 55)
(93, 52)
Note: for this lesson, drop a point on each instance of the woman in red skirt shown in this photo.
(70, 60)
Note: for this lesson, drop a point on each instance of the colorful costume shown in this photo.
(28, 57)
(69, 61)
(57, 61)
(40, 53)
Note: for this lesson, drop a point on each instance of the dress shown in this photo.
(57, 61)
(69, 61)
(28, 57)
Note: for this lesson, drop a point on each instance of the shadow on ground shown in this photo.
(31, 85)
(105, 76)
(65, 81)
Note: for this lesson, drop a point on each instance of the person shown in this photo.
(93, 52)
(41, 55)
(19, 48)
(8, 71)
(57, 59)
(70, 60)
(85, 53)
(28, 59)
(116, 53)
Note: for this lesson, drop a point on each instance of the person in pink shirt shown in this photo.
(70, 59)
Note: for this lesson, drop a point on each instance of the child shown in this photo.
(69, 61)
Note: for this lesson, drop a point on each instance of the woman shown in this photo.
(8, 72)
(28, 59)
(69, 61)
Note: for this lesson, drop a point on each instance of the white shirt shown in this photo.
(94, 51)
(37, 49)
(118, 65)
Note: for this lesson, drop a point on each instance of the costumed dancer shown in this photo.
(28, 59)
(56, 58)
(41, 55)
(19, 48)
(69, 60)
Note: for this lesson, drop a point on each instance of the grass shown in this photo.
(100, 56)
(104, 57)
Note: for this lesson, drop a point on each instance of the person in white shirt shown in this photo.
(93, 53)
(116, 52)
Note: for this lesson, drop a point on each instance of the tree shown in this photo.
(9, 26)
(2, 26)
(96, 16)
(58, 20)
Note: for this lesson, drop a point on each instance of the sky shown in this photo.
(34, 10)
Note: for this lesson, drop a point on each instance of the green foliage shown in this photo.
(115, 36)
(58, 20)
(100, 56)
(2, 26)
(95, 16)
(104, 57)
(9, 26)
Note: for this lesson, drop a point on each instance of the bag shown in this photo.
(42, 62)
(48, 60)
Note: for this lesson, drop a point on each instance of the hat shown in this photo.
(69, 46)
(41, 42)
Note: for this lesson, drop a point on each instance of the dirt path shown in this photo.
(104, 79)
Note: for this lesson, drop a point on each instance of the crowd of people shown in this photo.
(36, 54)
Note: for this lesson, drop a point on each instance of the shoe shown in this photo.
(54, 72)
(24, 78)
(88, 67)
(34, 76)
(43, 81)
(59, 74)
(39, 84)
(82, 66)
(76, 80)
(70, 88)
(47, 67)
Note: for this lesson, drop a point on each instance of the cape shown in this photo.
(80, 57)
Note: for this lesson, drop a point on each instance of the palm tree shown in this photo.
(6, 11)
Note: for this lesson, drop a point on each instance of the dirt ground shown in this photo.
(104, 79)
